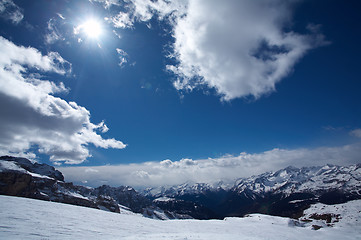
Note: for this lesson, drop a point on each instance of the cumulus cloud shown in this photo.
(239, 48)
(10, 11)
(226, 168)
(33, 118)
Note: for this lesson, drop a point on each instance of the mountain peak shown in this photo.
(30, 167)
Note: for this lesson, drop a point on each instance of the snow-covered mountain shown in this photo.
(186, 189)
(179, 190)
(22, 218)
(198, 200)
(287, 181)
(286, 192)
(315, 180)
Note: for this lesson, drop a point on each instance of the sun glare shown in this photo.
(92, 28)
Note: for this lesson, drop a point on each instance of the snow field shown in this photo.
(22, 218)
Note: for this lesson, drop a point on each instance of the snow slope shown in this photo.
(22, 218)
(339, 215)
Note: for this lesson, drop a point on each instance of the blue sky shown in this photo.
(143, 87)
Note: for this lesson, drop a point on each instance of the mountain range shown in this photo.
(286, 192)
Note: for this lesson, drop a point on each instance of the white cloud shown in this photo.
(53, 34)
(32, 117)
(10, 11)
(108, 3)
(121, 20)
(239, 48)
(144, 10)
(60, 16)
(91, 170)
(228, 168)
(356, 132)
(123, 57)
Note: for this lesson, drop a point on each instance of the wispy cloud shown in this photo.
(121, 20)
(123, 57)
(356, 132)
(61, 16)
(10, 11)
(211, 170)
(144, 10)
(32, 117)
(53, 34)
(108, 3)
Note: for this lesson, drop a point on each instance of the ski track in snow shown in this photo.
(22, 218)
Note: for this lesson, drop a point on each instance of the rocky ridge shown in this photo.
(23, 178)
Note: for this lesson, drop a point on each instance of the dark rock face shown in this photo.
(107, 203)
(46, 184)
(189, 208)
(125, 196)
(271, 204)
(24, 185)
(15, 184)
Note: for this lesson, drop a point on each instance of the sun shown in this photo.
(92, 28)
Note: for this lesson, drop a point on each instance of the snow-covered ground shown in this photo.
(22, 218)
